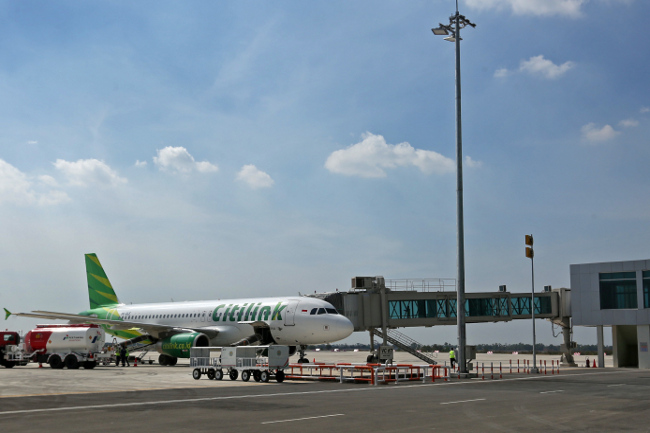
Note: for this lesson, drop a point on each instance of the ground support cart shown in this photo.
(259, 362)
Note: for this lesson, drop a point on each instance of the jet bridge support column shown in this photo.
(601, 346)
(384, 315)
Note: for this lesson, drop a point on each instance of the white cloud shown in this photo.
(139, 163)
(32, 142)
(545, 68)
(628, 123)
(17, 188)
(590, 132)
(254, 177)
(644, 110)
(85, 172)
(178, 160)
(570, 8)
(469, 162)
(372, 155)
(538, 66)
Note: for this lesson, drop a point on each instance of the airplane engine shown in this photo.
(179, 345)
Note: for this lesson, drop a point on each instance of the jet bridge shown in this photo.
(374, 304)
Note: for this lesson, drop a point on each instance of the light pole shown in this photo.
(530, 253)
(457, 22)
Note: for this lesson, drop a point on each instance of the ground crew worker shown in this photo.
(123, 355)
(452, 358)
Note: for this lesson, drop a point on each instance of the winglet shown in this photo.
(7, 314)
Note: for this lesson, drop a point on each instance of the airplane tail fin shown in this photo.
(100, 291)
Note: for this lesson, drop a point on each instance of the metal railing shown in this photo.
(423, 284)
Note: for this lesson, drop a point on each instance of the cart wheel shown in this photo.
(196, 374)
(233, 374)
(245, 375)
(211, 374)
(265, 376)
(279, 376)
(256, 375)
(218, 374)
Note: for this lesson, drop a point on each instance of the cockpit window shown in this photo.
(321, 311)
(331, 311)
(313, 311)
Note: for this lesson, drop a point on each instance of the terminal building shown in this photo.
(616, 295)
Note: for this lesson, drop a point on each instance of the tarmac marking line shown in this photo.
(463, 401)
(303, 419)
(550, 392)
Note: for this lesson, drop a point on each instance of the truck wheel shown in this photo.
(71, 362)
(279, 376)
(233, 374)
(256, 375)
(55, 362)
(218, 374)
(211, 374)
(265, 376)
(245, 375)
(196, 374)
(9, 364)
(89, 365)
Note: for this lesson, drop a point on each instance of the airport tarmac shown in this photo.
(154, 398)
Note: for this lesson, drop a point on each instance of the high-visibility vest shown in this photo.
(452, 354)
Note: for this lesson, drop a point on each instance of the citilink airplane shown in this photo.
(175, 327)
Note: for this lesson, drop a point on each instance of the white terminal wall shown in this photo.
(585, 310)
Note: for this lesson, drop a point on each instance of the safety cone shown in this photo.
(314, 360)
(40, 365)
(135, 363)
(594, 364)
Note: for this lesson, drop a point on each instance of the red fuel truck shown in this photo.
(70, 346)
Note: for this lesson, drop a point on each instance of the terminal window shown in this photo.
(618, 290)
(646, 289)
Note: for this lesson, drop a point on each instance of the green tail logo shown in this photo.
(100, 291)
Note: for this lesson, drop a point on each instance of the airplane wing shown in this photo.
(153, 329)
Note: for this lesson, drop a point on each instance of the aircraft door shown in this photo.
(290, 313)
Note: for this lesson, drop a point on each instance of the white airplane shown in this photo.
(175, 327)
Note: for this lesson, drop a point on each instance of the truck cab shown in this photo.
(7, 340)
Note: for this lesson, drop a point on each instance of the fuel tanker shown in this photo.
(71, 346)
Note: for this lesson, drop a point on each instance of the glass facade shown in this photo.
(618, 290)
(474, 307)
(646, 289)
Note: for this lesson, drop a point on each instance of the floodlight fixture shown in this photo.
(440, 31)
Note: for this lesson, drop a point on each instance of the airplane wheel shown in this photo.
(196, 374)
(256, 375)
(211, 374)
(265, 376)
(233, 374)
(245, 375)
(279, 376)
(89, 365)
(218, 374)
(303, 361)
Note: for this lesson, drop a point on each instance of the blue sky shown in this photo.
(230, 149)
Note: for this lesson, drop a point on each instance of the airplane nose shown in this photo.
(344, 327)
